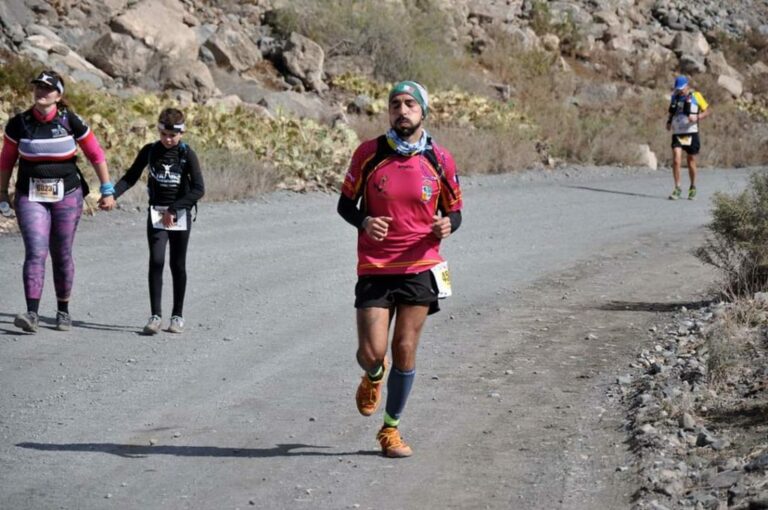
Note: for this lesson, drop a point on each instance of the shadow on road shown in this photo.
(601, 190)
(642, 306)
(7, 318)
(139, 451)
(745, 416)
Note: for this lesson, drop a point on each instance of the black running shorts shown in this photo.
(689, 143)
(385, 291)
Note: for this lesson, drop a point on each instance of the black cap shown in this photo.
(50, 80)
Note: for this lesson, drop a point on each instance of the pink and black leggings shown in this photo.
(49, 227)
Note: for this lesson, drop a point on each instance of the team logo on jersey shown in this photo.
(58, 132)
(381, 184)
(426, 192)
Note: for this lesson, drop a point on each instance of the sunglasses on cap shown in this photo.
(50, 81)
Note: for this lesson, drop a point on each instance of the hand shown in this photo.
(107, 202)
(377, 227)
(693, 118)
(669, 126)
(169, 218)
(441, 227)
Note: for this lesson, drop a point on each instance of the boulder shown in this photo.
(232, 49)
(160, 25)
(596, 94)
(686, 43)
(304, 58)
(120, 55)
(55, 54)
(717, 65)
(758, 68)
(733, 85)
(692, 64)
(192, 76)
(524, 38)
(645, 157)
(621, 43)
(15, 13)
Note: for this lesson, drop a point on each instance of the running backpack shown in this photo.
(183, 155)
(384, 150)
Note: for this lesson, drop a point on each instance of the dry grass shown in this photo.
(733, 340)
(227, 176)
(476, 151)
(236, 175)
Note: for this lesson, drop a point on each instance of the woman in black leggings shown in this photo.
(175, 184)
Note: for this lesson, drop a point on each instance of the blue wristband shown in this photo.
(107, 189)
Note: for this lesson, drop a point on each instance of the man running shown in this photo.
(687, 107)
(402, 193)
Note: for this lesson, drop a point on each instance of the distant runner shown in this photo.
(402, 193)
(49, 191)
(175, 184)
(686, 109)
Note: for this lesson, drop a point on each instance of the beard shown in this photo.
(405, 130)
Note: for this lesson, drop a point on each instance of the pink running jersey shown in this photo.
(408, 189)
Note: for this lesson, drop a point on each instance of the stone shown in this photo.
(304, 58)
(730, 84)
(687, 422)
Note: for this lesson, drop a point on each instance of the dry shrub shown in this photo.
(236, 175)
(732, 339)
(738, 240)
(227, 175)
(484, 151)
(722, 352)
(743, 50)
(476, 151)
(730, 138)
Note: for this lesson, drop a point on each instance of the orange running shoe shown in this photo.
(392, 445)
(368, 396)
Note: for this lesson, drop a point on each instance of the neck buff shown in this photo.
(406, 148)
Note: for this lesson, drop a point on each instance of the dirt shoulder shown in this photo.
(549, 421)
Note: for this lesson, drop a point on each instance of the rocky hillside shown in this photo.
(226, 51)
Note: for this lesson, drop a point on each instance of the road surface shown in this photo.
(557, 277)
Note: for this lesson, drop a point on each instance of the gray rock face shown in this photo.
(163, 30)
(130, 39)
(120, 56)
(232, 49)
(304, 59)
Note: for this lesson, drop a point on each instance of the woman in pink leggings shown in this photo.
(49, 191)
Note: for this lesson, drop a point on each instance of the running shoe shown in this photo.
(177, 324)
(675, 193)
(692, 193)
(63, 321)
(368, 396)
(26, 321)
(153, 325)
(392, 445)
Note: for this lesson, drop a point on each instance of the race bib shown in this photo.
(46, 190)
(443, 279)
(156, 216)
(685, 140)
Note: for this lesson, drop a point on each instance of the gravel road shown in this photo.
(557, 277)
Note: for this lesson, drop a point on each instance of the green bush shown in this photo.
(738, 240)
